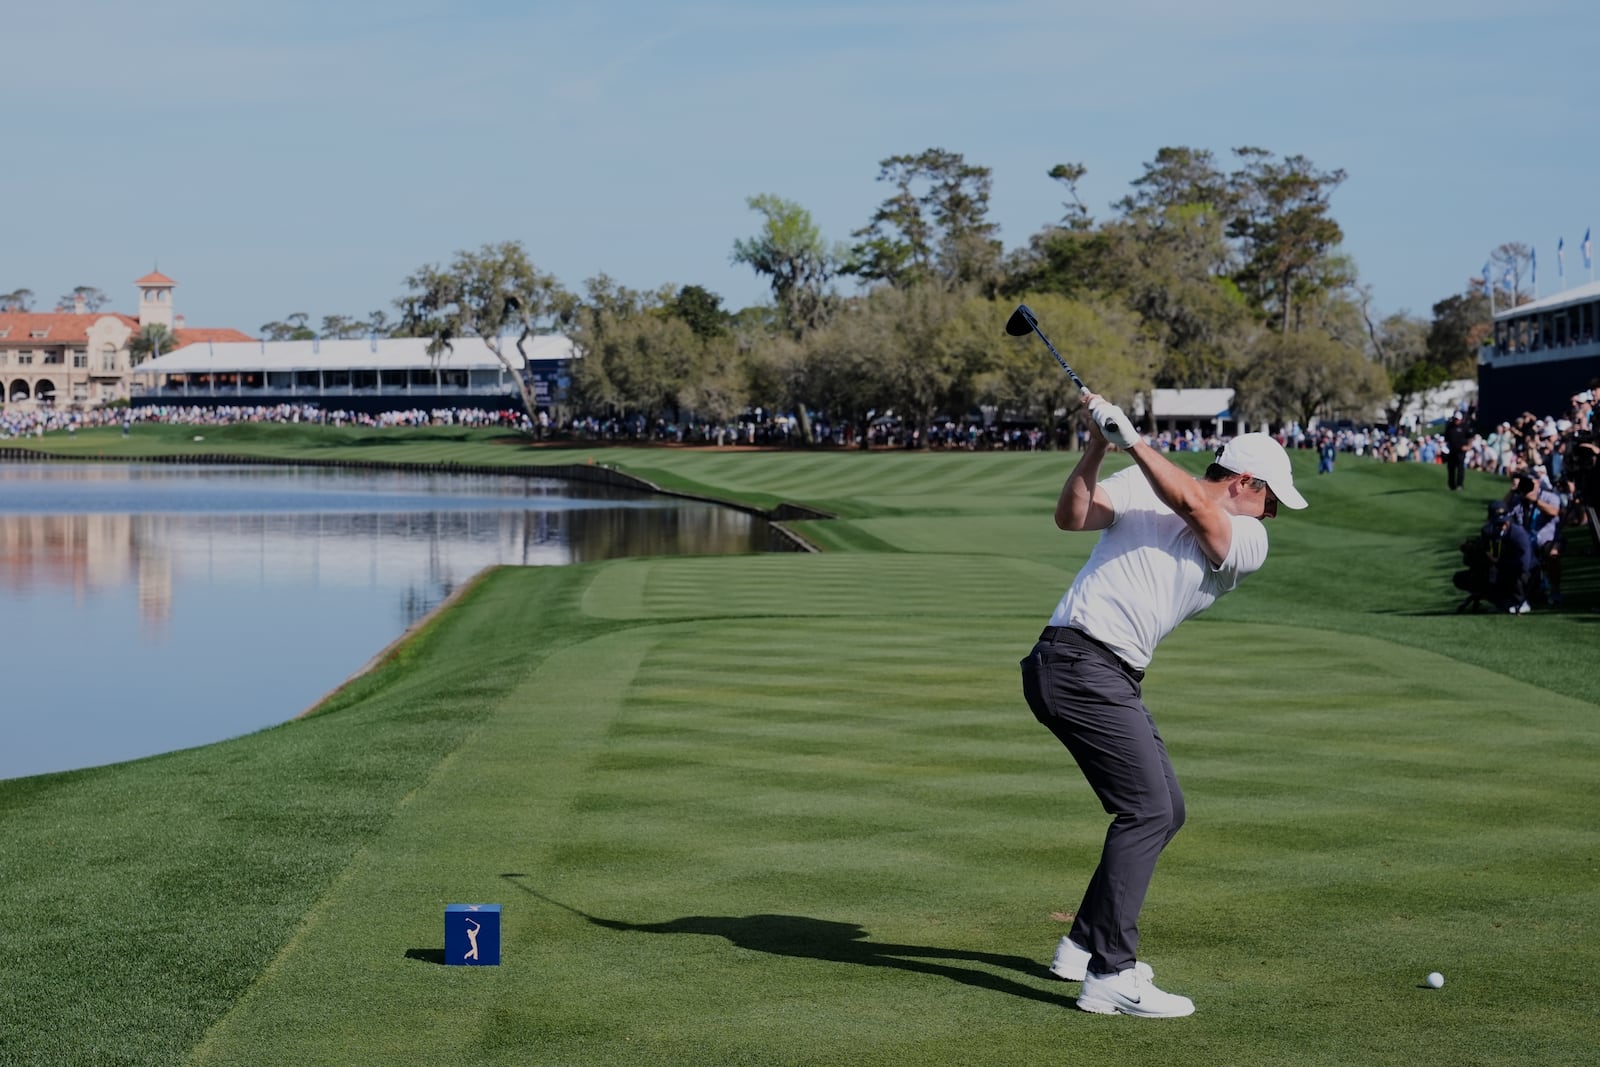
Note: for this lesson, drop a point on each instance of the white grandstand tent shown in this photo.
(1175, 410)
(374, 374)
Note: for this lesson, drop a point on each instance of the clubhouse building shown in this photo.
(80, 358)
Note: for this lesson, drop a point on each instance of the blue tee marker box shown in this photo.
(472, 935)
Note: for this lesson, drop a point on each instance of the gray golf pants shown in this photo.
(1089, 699)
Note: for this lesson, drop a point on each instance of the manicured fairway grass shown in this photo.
(791, 809)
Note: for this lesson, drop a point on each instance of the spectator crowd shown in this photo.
(1558, 451)
(40, 421)
(1552, 464)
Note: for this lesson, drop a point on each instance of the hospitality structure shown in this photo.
(1205, 411)
(1540, 354)
(370, 375)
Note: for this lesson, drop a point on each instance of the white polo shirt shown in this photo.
(1147, 572)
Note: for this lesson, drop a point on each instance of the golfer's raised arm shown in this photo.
(1201, 509)
(1083, 505)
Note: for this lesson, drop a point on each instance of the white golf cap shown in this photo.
(1259, 456)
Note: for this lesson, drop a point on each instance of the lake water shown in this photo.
(149, 608)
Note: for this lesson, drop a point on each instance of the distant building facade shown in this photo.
(81, 359)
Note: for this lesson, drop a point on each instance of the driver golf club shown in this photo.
(1022, 322)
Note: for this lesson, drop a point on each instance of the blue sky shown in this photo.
(297, 156)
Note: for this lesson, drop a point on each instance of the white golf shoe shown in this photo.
(1072, 962)
(1130, 993)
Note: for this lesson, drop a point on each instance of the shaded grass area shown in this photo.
(792, 809)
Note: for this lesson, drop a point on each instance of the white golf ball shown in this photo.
(1436, 979)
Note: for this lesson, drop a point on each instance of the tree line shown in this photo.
(1203, 275)
(93, 299)
(1207, 273)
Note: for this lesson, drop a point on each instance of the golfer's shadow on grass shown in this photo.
(803, 937)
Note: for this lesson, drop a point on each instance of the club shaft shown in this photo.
(1064, 365)
(1023, 315)
(1112, 426)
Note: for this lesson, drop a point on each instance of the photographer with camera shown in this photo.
(1535, 506)
(1500, 561)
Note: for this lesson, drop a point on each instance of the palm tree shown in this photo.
(152, 340)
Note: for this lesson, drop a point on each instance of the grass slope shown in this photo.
(791, 809)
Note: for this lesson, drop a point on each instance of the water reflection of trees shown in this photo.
(199, 575)
(429, 554)
(613, 534)
(424, 554)
(84, 551)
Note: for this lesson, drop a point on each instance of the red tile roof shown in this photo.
(187, 336)
(58, 326)
(65, 327)
(155, 277)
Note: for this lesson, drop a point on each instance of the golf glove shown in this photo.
(1113, 423)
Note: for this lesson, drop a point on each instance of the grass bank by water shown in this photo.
(791, 809)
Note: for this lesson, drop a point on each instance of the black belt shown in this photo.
(1052, 634)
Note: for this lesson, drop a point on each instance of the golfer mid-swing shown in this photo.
(1170, 544)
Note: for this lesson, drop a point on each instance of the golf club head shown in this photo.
(1021, 322)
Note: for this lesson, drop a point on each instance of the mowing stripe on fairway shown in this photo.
(898, 587)
(858, 819)
(365, 959)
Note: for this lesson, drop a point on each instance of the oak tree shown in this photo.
(491, 293)
(790, 252)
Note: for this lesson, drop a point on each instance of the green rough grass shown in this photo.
(791, 809)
